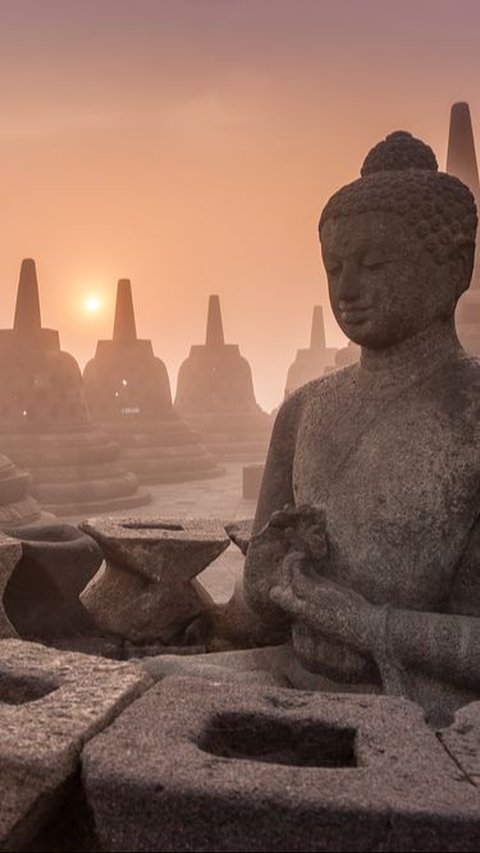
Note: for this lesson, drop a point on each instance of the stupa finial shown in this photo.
(124, 329)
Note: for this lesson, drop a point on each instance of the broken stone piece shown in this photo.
(50, 703)
(146, 590)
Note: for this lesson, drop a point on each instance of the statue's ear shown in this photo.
(461, 266)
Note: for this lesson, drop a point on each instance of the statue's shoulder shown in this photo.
(459, 387)
(329, 385)
(312, 393)
(465, 373)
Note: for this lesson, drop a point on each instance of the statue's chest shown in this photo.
(400, 485)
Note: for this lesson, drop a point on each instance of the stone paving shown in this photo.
(221, 498)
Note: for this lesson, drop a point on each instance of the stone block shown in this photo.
(51, 703)
(205, 765)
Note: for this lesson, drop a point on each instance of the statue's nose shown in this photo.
(349, 282)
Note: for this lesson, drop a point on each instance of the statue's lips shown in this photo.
(355, 314)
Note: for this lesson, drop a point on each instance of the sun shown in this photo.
(92, 304)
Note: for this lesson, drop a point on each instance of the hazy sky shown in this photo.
(190, 145)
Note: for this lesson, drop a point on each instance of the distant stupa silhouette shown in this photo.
(128, 393)
(462, 162)
(215, 395)
(310, 363)
(44, 423)
(461, 157)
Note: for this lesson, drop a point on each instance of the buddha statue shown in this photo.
(365, 555)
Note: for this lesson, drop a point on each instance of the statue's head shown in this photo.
(398, 244)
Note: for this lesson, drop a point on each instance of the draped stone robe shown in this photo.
(392, 452)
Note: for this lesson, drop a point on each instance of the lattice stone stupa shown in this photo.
(45, 427)
(215, 394)
(128, 393)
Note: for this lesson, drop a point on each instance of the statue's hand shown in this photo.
(334, 611)
(299, 528)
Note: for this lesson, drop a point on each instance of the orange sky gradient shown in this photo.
(190, 145)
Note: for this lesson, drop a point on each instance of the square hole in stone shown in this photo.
(18, 688)
(299, 743)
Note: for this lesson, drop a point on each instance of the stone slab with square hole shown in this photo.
(202, 765)
(51, 702)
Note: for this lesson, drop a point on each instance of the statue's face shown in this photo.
(384, 285)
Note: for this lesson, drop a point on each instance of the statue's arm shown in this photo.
(441, 645)
(444, 645)
(250, 617)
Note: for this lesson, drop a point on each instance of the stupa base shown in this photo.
(89, 507)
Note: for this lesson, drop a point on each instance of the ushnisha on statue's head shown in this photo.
(398, 245)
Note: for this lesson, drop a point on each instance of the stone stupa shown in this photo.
(462, 162)
(215, 394)
(128, 393)
(45, 427)
(18, 508)
(311, 362)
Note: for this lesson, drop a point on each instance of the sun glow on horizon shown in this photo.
(92, 304)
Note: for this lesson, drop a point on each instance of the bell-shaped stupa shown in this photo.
(128, 393)
(462, 162)
(311, 362)
(215, 395)
(45, 427)
(17, 506)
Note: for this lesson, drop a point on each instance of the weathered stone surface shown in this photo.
(208, 766)
(462, 740)
(51, 703)
(128, 393)
(215, 395)
(312, 362)
(147, 591)
(41, 598)
(10, 553)
(44, 423)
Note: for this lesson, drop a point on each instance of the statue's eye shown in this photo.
(374, 264)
